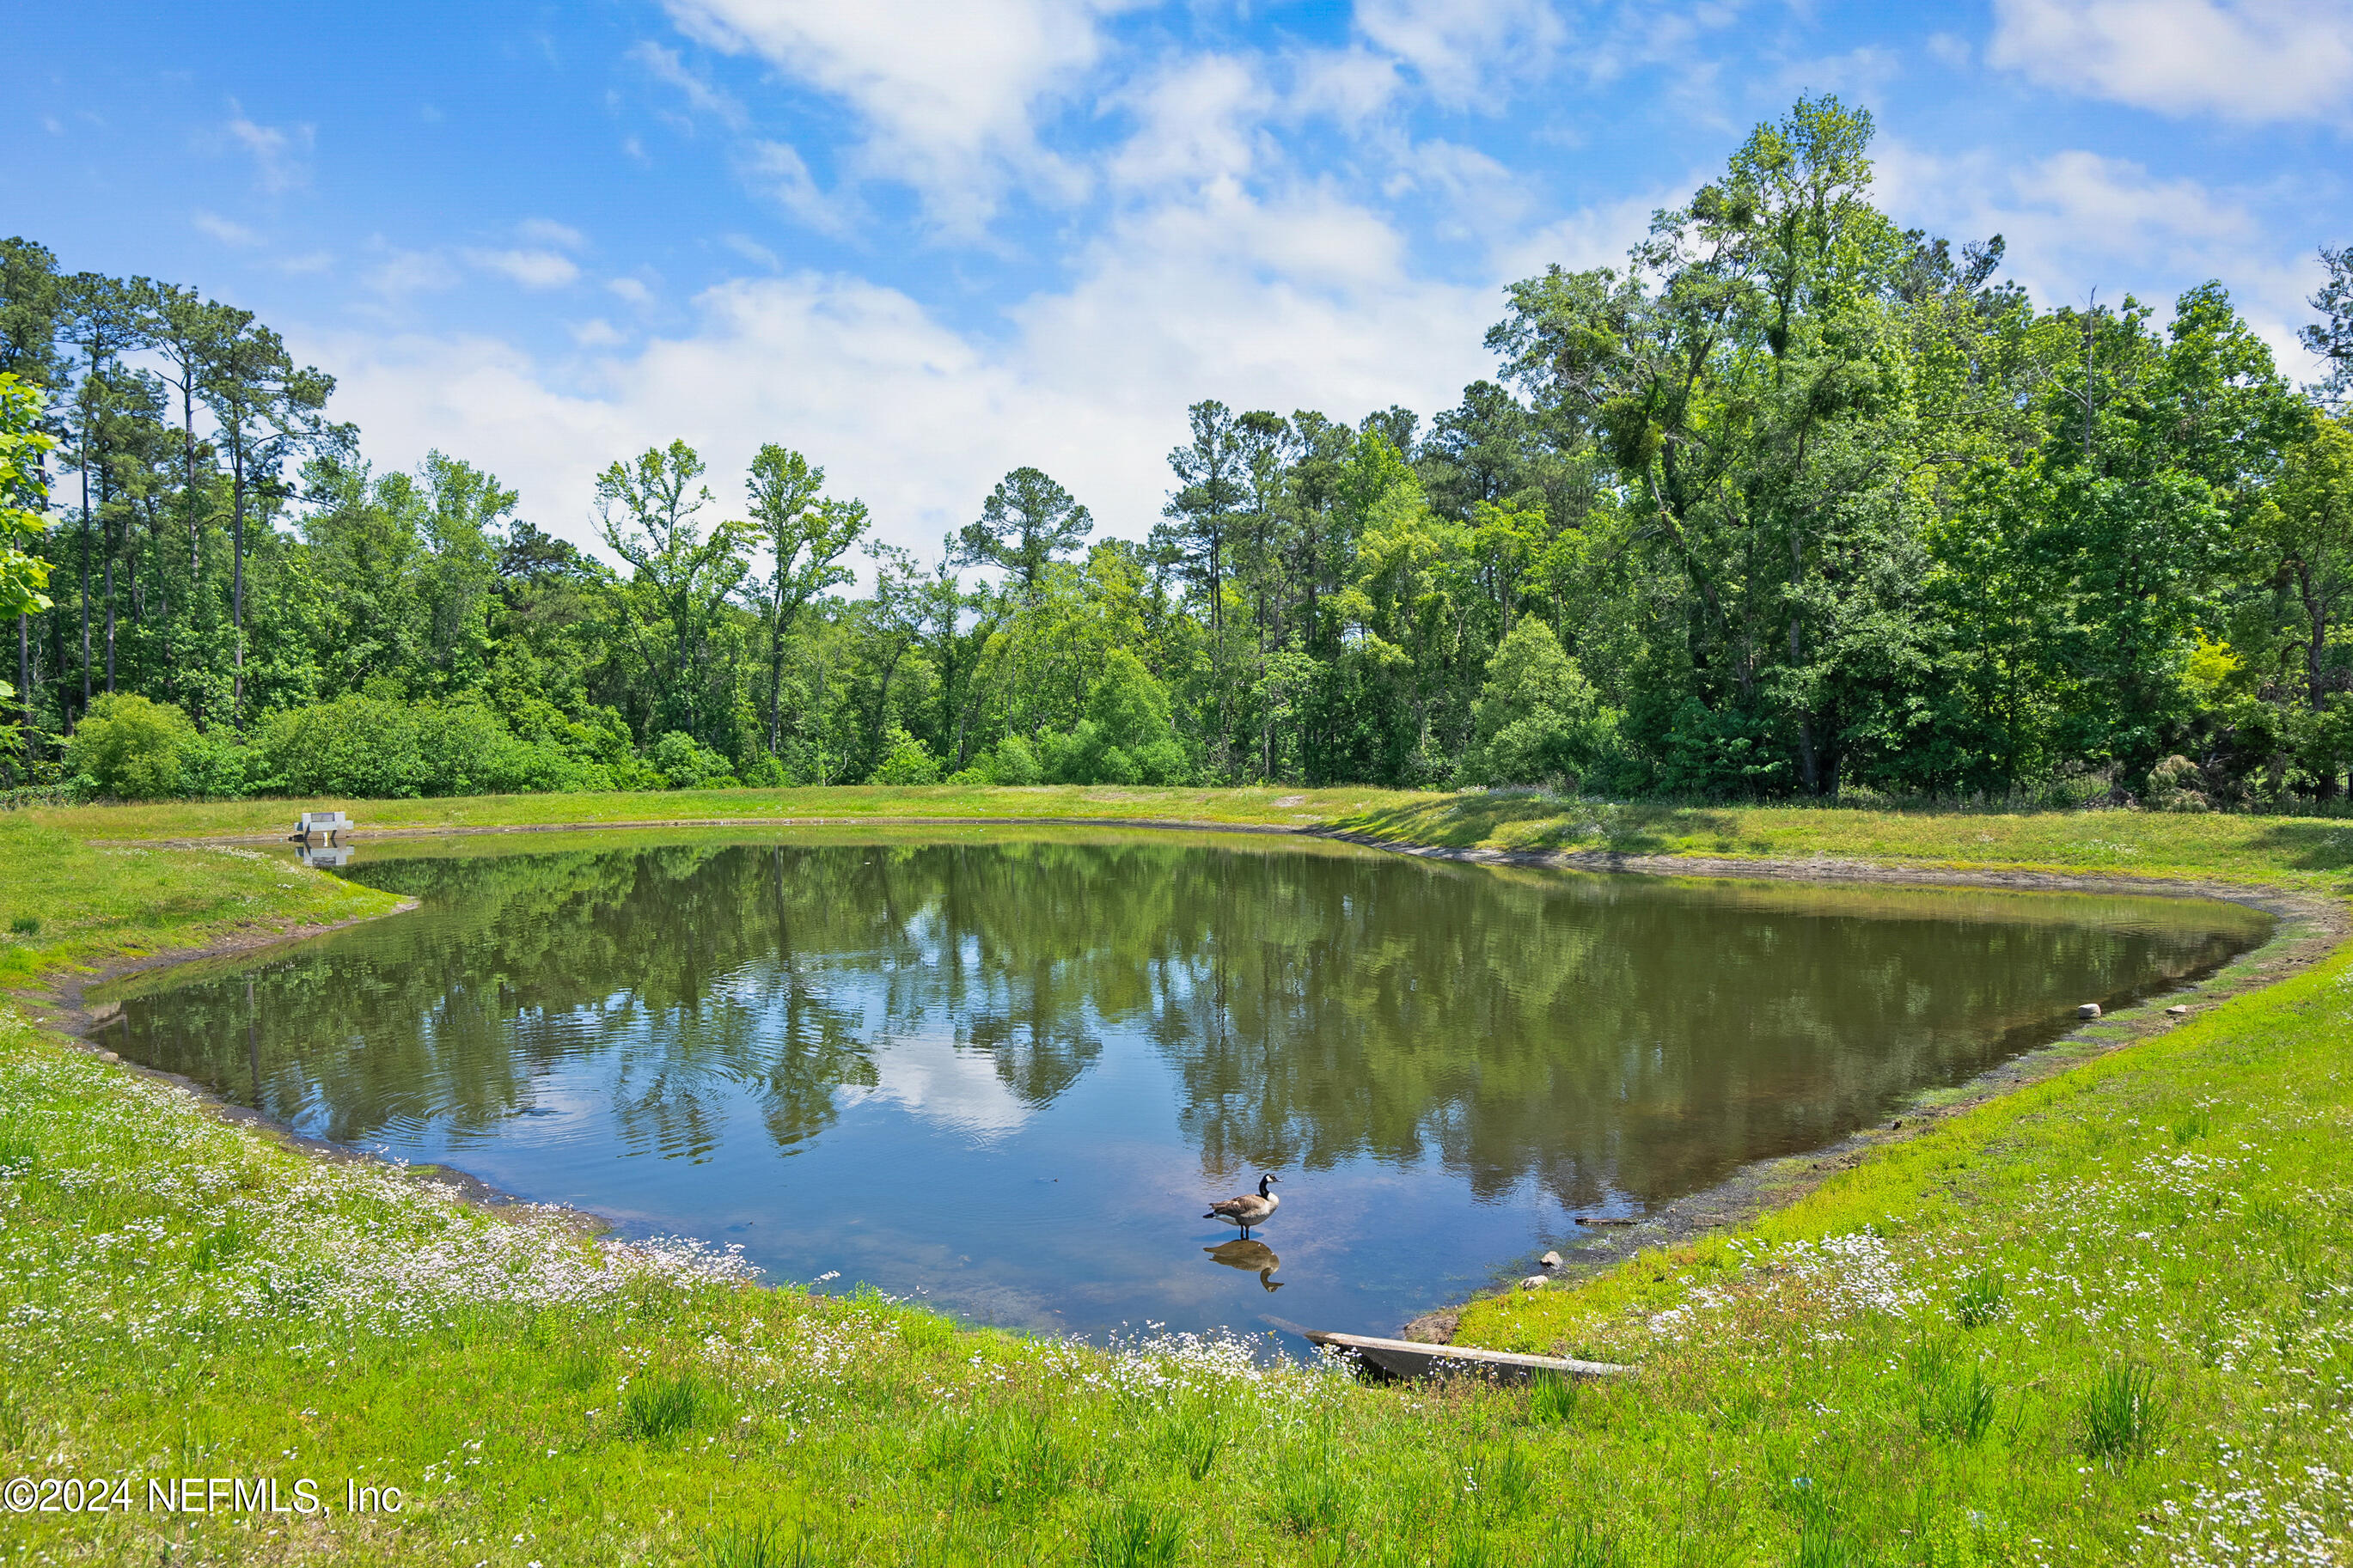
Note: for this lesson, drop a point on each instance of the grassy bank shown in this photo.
(2108, 1318)
(2312, 852)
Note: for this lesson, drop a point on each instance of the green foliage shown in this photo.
(907, 761)
(682, 761)
(380, 748)
(1125, 738)
(1537, 720)
(1012, 761)
(1806, 503)
(22, 442)
(132, 748)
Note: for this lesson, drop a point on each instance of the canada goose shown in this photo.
(1246, 1210)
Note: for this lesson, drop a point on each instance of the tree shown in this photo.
(646, 514)
(32, 297)
(1126, 737)
(23, 497)
(807, 535)
(2306, 526)
(1026, 521)
(264, 410)
(1212, 485)
(464, 509)
(132, 748)
(1538, 721)
(2331, 337)
(98, 320)
(102, 321)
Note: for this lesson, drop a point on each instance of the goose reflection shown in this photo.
(1248, 1255)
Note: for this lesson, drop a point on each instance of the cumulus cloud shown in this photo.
(949, 96)
(1457, 46)
(1196, 121)
(1297, 301)
(2076, 221)
(2243, 60)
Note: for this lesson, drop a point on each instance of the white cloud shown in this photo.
(933, 1080)
(775, 170)
(631, 290)
(665, 66)
(2075, 221)
(224, 230)
(597, 332)
(949, 95)
(2243, 60)
(1597, 235)
(1478, 197)
(1196, 122)
(1301, 300)
(544, 231)
(405, 272)
(1349, 85)
(1456, 46)
(752, 251)
(279, 155)
(530, 269)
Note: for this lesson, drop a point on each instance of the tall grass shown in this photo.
(2121, 1414)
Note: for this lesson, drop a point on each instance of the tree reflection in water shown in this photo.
(1312, 1005)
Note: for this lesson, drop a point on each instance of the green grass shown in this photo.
(2105, 1318)
(68, 903)
(2286, 851)
(191, 819)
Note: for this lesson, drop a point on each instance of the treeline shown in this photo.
(1797, 501)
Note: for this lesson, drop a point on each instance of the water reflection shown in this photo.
(1250, 1256)
(910, 1031)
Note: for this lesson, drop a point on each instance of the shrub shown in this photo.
(906, 761)
(1537, 718)
(131, 748)
(380, 748)
(2177, 784)
(769, 772)
(685, 762)
(1012, 762)
(1126, 737)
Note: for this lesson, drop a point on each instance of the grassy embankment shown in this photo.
(2108, 1317)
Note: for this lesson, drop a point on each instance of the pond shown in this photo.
(1007, 1069)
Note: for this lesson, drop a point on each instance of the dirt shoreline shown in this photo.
(2308, 927)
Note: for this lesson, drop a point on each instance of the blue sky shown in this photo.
(927, 243)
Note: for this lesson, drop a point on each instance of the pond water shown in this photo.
(1007, 1069)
